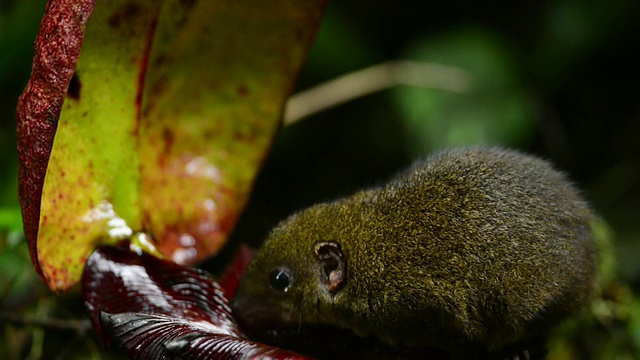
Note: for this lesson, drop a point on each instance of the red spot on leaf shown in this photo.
(242, 91)
(169, 138)
(126, 13)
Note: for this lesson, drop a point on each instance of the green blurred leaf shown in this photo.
(10, 219)
(634, 326)
(609, 330)
(496, 110)
(170, 112)
(607, 262)
(18, 275)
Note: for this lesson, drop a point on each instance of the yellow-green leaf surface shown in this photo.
(170, 112)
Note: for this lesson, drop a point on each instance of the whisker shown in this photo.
(291, 310)
(299, 320)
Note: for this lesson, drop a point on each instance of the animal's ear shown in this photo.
(333, 264)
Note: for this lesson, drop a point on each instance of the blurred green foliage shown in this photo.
(497, 109)
(18, 25)
(557, 78)
(20, 288)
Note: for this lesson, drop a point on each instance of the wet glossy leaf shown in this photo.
(166, 120)
(156, 309)
(160, 337)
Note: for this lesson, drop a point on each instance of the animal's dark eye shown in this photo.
(280, 279)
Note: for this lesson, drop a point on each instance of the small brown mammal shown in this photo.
(477, 248)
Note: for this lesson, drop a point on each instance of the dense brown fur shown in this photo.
(471, 248)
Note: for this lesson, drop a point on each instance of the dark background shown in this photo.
(557, 78)
(575, 62)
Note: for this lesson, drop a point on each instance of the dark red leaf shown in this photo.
(156, 309)
(160, 336)
(57, 47)
(225, 347)
(233, 273)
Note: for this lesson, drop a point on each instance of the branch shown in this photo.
(372, 79)
(78, 326)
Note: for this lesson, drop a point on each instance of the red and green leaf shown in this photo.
(162, 128)
(57, 47)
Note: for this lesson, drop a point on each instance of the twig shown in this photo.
(373, 79)
(78, 326)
